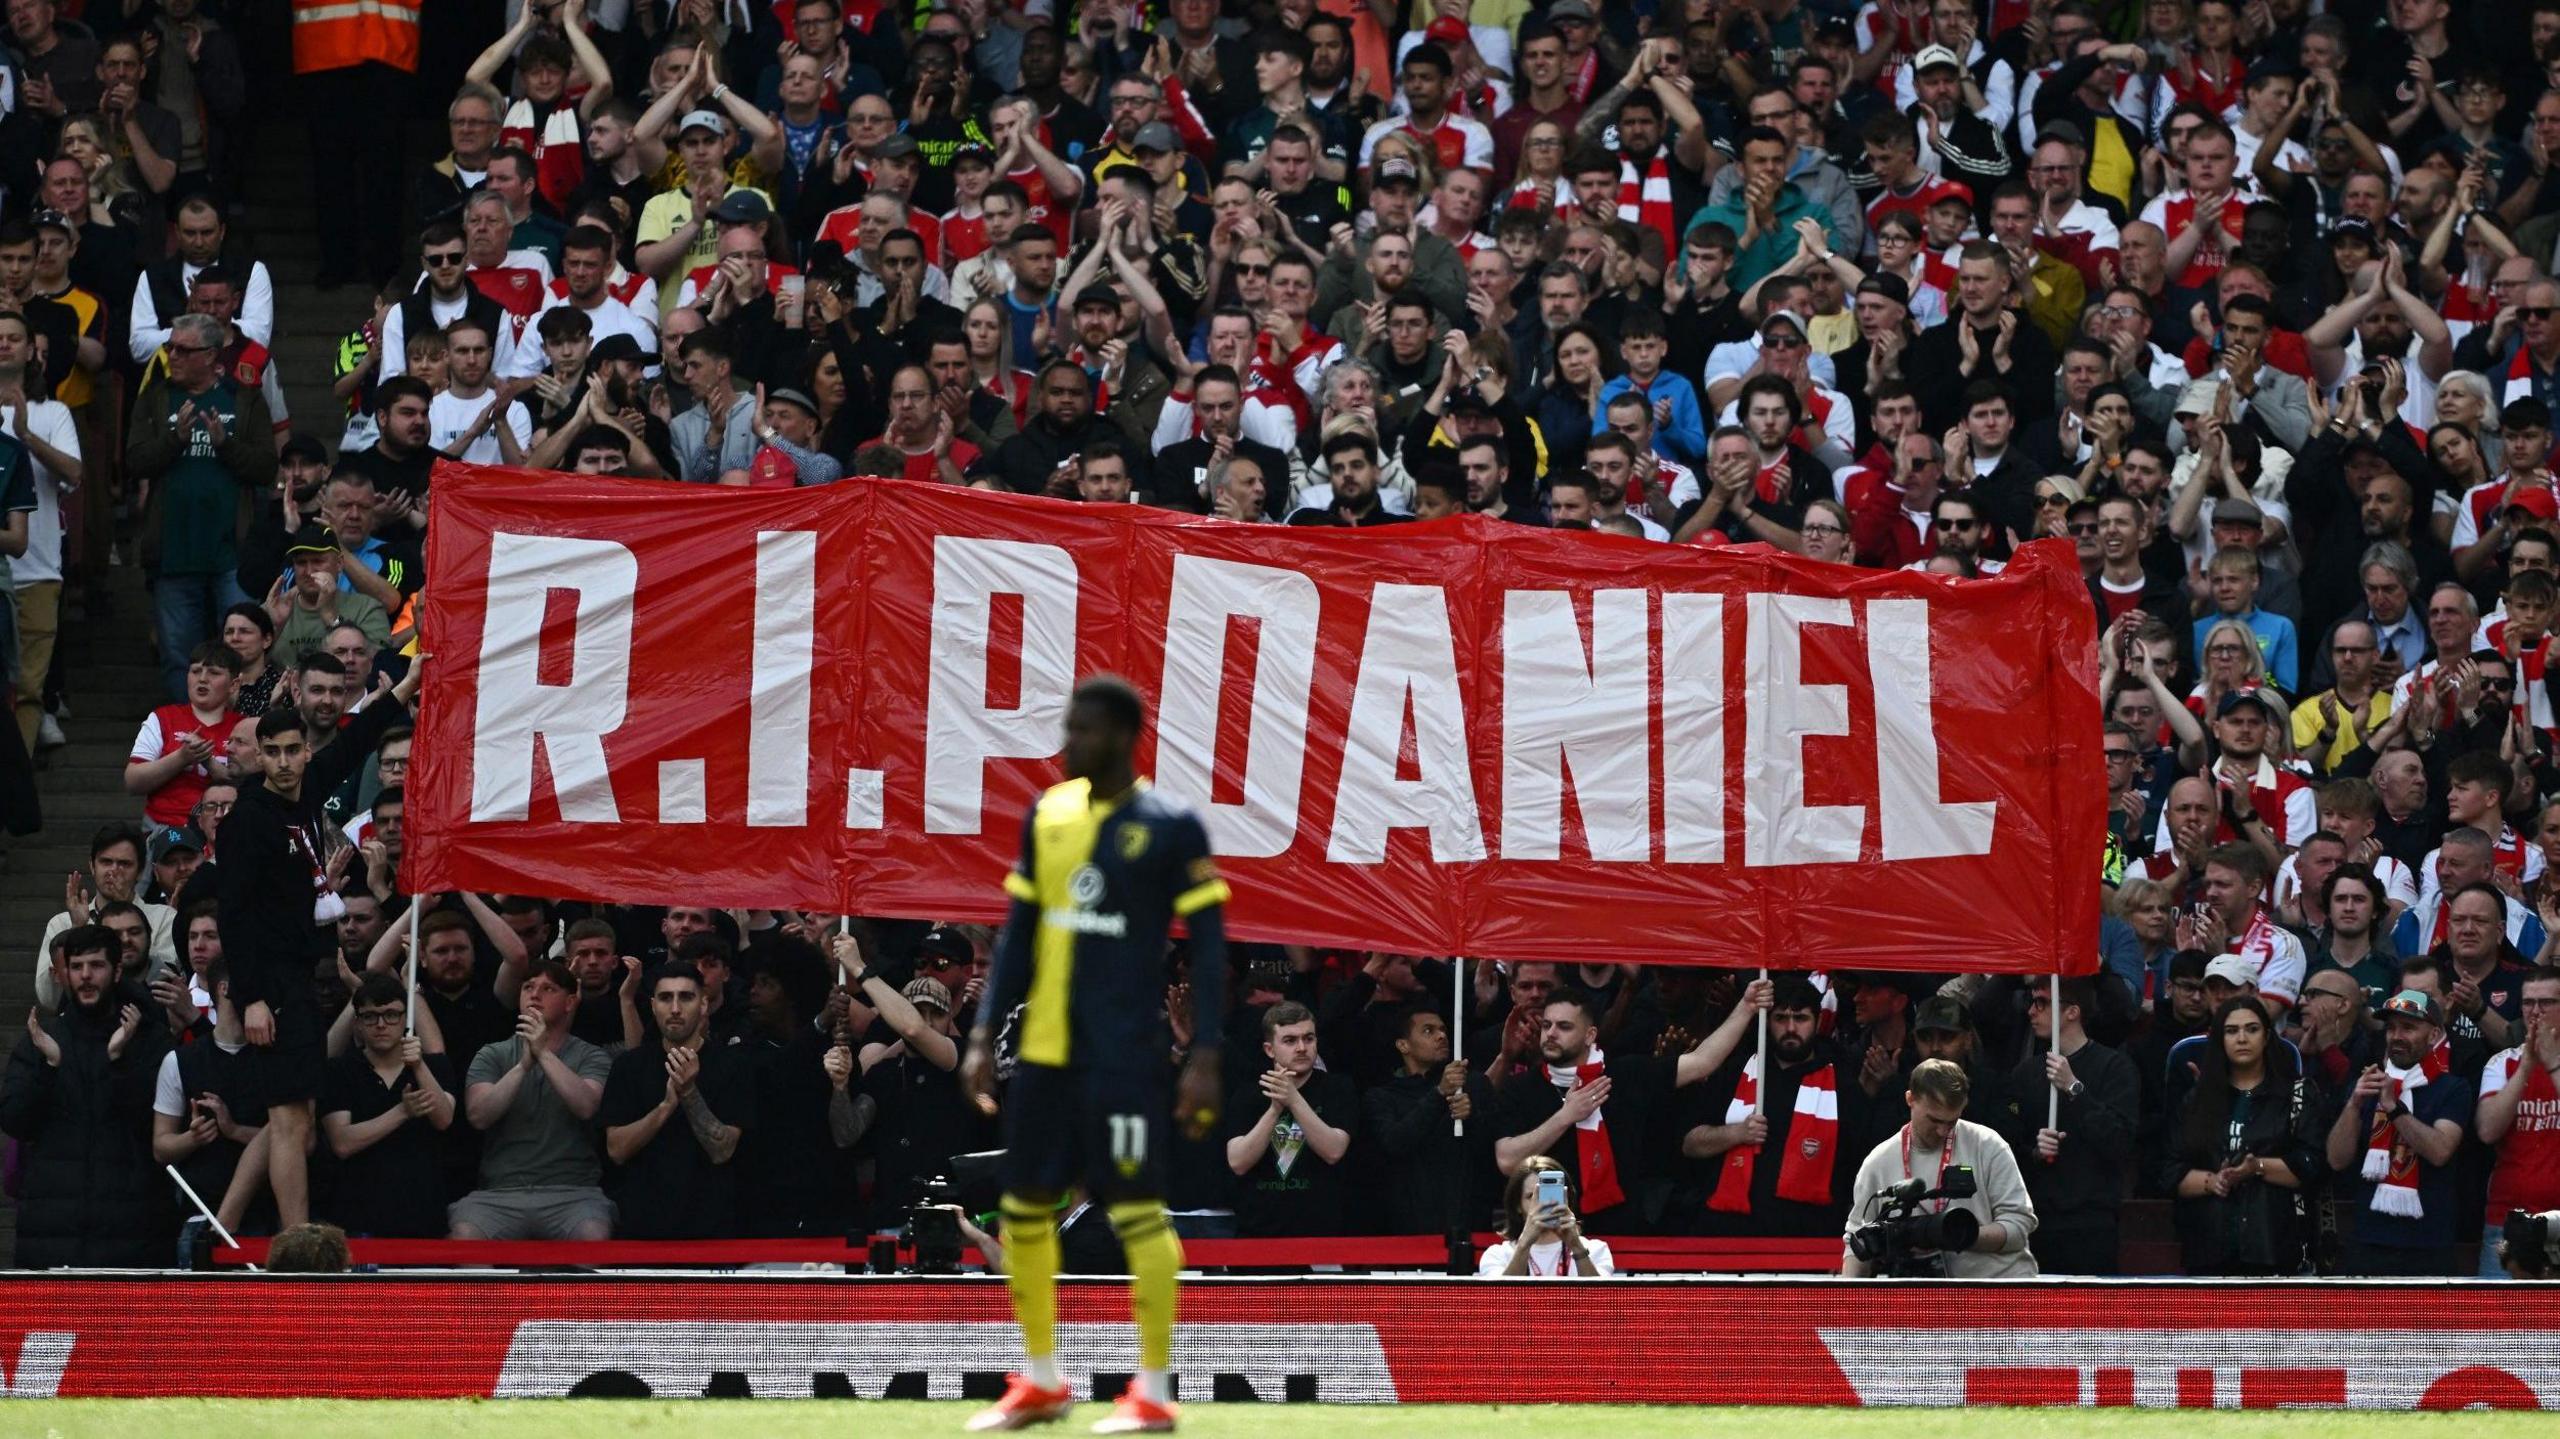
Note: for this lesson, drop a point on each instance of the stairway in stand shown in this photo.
(113, 674)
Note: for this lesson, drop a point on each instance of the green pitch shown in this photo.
(770, 1419)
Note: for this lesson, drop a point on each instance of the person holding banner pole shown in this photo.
(1431, 1159)
(2083, 1146)
(1780, 1159)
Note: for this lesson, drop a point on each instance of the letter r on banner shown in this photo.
(961, 731)
(517, 711)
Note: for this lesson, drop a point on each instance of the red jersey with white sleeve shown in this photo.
(698, 279)
(2276, 953)
(2528, 1173)
(1457, 143)
(1915, 203)
(2175, 211)
(1903, 29)
(2533, 698)
(843, 226)
(164, 732)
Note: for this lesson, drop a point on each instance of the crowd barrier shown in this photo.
(1774, 1341)
(1428, 1254)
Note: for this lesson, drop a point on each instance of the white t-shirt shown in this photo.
(168, 1096)
(448, 417)
(51, 422)
(1548, 1260)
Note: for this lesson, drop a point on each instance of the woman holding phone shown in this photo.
(1541, 1237)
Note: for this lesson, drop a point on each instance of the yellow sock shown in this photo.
(1031, 1273)
(1155, 1264)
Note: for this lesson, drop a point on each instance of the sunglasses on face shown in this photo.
(2534, 312)
(2088, 528)
(1253, 269)
(1943, 526)
(2491, 682)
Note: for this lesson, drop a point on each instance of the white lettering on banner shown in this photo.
(549, 1358)
(2200, 1368)
(1563, 710)
(1407, 655)
(42, 1356)
(1693, 729)
(1916, 824)
(1778, 827)
(779, 700)
(516, 710)
(961, 731)
(1206, 594)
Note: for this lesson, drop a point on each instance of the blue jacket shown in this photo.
(1684, 436)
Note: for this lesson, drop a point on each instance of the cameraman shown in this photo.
(1937, 1139)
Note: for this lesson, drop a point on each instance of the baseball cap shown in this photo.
(1892, 287)
(1569, 10)
(2355, 225)
(944, 942)
(741, 207)
(312, 539)
(56, 220)
(898, 146)
(1934, 56)
(928, 994)
(1785, 318)
(792, 397)
(711, 120)
(2538, 502)
(617, 347)
(1155, 135)
(2414, 1004)
(2197, 398)
(2065, 131)
(1940, 1014)
(2236, 698)
(2239, 512)
(169, 841)
(1447, 30)
(1396, 170)
(972, 153)
(1102, 295)
(2231, 968)
(771, 469)
(304, 446)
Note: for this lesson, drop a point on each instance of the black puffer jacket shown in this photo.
(90, 1195)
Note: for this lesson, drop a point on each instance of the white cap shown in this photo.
(1934, 56)
(2233, 969)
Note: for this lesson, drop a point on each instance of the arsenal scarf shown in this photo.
(2391, 1165)
(1646, 200)
(1813, 1134)
(1595, 1163)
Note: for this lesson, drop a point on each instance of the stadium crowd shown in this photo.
(2250, 303)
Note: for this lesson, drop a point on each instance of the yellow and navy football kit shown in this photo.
(1095, 895)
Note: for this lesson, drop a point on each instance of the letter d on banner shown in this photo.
(517, 711)
(961, 732)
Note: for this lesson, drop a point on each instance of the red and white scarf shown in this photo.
(1596, 1164)
(1645, 199)
(1813, 1135)
(2389, 1162)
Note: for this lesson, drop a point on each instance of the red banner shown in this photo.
(1465, 737)
(1371, 1341)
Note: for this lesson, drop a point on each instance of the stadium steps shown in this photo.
(113, 677)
